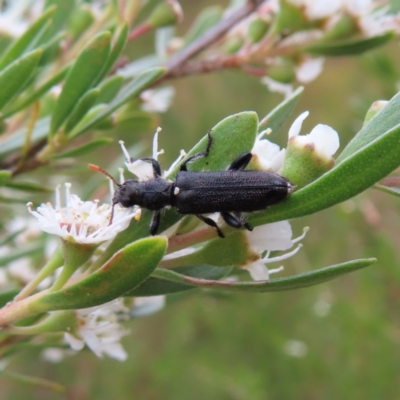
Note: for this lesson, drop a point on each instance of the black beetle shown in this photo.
(228, 192)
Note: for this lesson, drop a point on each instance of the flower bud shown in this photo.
(166, 14)
(342, 28)
(233, 44)
(257, 29)
(291, 18)
(309, 156)
(283, 71)
(373, 110)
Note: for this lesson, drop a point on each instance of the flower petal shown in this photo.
(275, 236)
(297, 124)
(325, 139)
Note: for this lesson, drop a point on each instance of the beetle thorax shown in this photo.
(153, 194)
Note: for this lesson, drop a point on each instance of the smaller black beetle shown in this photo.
(228, 192)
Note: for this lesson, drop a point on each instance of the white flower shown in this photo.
(270, 237)
(55, 355)
(144, 306)
(157, 100)
(278, 87)
(99, 329)
(296, 348)
(315, 9)
(266, 154)
(324, 138)
(309, 69)
(81, 221)
(144, 169)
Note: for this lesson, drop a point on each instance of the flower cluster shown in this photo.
(79, 221)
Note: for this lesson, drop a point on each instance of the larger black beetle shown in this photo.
(228, 192)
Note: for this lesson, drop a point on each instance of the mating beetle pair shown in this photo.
(229, 192)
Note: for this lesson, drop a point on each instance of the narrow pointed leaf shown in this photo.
(13, 255)
(123, 272)
(274, 285)
(29, 187)
(14, 77)
(110, 88)
(20, 105)
(34, 381)
(386, 119)
(5, 177)
(7, 295)
(15, 141)
(115, 52)
(395, 191)
(79, 111)
(61, 15)
(206, 19)
(81, 77)
(154, 286)
(22, 43)
(135, 87)
(84, 149)
(279, 115)
(349, 47)
(51, 49)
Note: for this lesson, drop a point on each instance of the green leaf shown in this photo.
(386, 119)
(5, 177)
(354, 174)
(15, 141)
(274, 285)
(206, 19)
(279, 115)
(51, 49)
(84, 149)
(81, 77)
(13, 255)
(80, 110)
(232, 137)
(31, 380)
(61, 15)
(115, 52)
(135, 87)
(349, 47)
(29, 187)
(124, 271)
(6, 296)
(18, 47)
(21, 104)
(14, 77)
(110, 88)
(154, 286)
(395, 191)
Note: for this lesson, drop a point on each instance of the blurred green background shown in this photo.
(338, 340)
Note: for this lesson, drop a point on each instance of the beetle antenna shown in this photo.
(112, 213)
(99, 169)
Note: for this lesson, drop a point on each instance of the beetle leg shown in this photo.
(155, 164)
(199, 155)
(155, 222)
(241, 162)
(231, 220)
(243, 220)
(237, 221)
(212, 223)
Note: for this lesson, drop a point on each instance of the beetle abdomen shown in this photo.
(215, 191)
